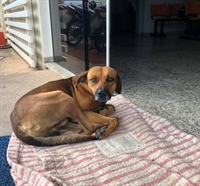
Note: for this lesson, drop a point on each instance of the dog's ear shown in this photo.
(81, 78)
(119, 84)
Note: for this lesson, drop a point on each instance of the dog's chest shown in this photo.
(90, 105)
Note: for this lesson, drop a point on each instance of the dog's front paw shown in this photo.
(100, 133)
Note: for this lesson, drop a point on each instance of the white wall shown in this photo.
(148, 24)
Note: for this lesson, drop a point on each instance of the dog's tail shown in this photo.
(51, 140)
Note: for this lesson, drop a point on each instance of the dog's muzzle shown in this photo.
(102, 95)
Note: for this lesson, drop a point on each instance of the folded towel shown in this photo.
(144, 150)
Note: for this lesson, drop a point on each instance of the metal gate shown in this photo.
(19, 27)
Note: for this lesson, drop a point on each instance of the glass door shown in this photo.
(85, 32)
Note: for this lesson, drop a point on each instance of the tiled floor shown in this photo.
(17, 78)
(162, 76)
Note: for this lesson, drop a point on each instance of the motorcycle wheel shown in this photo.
(100, 42)
(74, 33)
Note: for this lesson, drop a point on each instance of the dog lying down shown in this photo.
(77, 104)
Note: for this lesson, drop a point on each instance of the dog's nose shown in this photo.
(101, 92)
(102, 95)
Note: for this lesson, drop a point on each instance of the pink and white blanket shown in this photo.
(144, 150)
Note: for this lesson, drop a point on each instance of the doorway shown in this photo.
(124, 19)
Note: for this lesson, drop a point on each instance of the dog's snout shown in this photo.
(102, 95)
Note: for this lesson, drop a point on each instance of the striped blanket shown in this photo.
(144, 150)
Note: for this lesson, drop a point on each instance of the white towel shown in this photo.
(144, 150)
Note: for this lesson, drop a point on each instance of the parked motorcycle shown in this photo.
(96, 29)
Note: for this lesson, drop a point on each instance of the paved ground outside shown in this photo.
(17, 78)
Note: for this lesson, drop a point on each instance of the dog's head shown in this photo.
(102, 82)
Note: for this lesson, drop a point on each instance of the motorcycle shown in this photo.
(96, 29)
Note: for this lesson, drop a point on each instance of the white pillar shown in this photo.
(1, 17)
(56, 34)
(50, 30)
(108, 32)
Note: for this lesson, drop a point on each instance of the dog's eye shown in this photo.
(93, 80)
(109, 79)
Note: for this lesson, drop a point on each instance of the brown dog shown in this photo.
(77, 104)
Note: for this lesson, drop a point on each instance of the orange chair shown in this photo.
(158, 13)
(163, 13)
(173, 9)
(192, 8)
